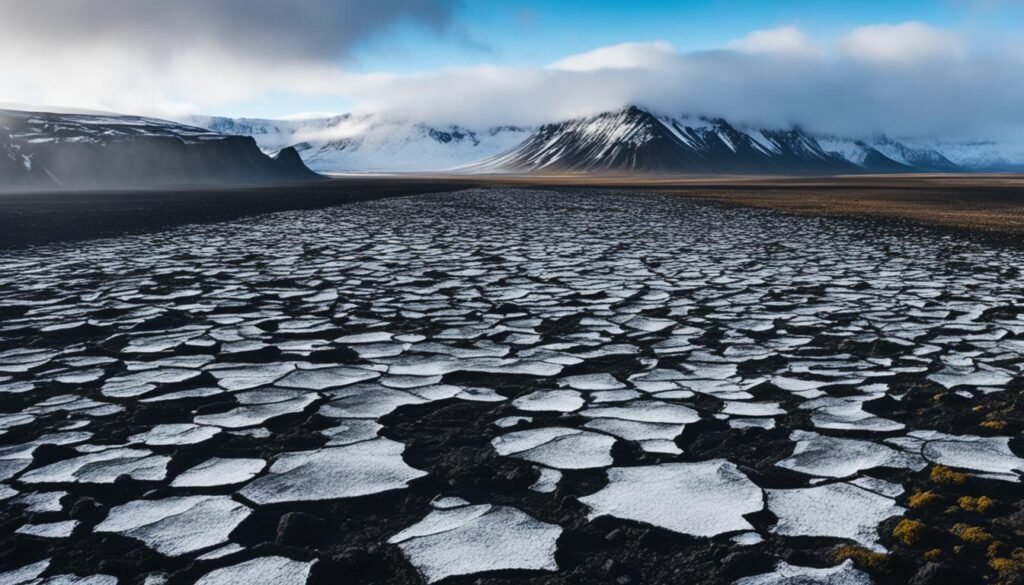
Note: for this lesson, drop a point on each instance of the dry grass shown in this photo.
(989, 203)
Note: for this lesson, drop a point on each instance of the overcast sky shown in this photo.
(914, 67)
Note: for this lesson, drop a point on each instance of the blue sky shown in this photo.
(536, 32)
(533, 33)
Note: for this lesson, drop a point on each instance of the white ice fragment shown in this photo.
(259, 406)
(589, 382)
(548, 480)
(823, 456)
(176, 526)
(323, 378)
(175, 434)
(986, 454)
(700, 499)
(360, 469)
(351, 431)
(51, 530)
(550, 400)
(558, 447)
(260, 571)
(102, 467)
(747, 538)
(755, 409)
(786, 574)
(219, 471)
(25, 575)
(474, 539)
(839, 510)
(653, 411)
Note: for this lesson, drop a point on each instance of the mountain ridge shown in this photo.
(630, 139)
(41, 150)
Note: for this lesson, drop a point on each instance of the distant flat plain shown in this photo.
(984, 204)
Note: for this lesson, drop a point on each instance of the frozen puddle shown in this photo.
(700, 499)
(475, 539)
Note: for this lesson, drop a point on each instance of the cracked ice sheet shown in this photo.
(558, 447)
(474, 539)
(700, 499)
(360, 469)
(176, 526)
(823, 456)
(260, 571)
(839, 510)
(786, 574)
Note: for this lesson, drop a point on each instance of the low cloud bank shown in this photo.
(201, 56)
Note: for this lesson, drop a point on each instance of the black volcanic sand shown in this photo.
(526, 275)
(33, 217)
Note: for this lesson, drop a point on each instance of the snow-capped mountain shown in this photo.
(628, 140)
(633, 139)
(373, 143)
(46, 150)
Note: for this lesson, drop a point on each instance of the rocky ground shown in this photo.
(514, 386)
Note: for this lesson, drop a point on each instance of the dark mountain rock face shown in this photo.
(61, 151)
(635, 140)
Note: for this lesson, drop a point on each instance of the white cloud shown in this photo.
(950, 94)
(899, 78)
(176, 55)
(786, 40)
(901, 43)
(624, 56)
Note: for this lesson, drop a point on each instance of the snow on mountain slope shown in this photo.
(633, 139)
(47, 150)
(626, 140)
(371, 143)
(985, 155)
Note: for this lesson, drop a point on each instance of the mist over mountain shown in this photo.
(631, 139)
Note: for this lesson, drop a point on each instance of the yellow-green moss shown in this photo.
(943, 475)
(933, 555)
(995, 425)
(972, 534)
(921, 499)
(1009, 567)
(869, 560)
(909, 532)
(980, 504)
(995, 550)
